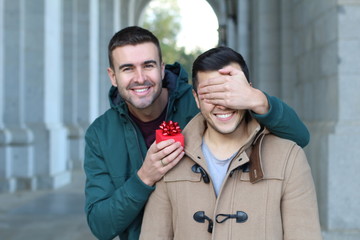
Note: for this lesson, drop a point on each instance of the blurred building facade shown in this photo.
(53, 84)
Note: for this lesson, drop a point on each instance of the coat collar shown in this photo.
(250, 152)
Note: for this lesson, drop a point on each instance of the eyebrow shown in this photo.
(131, 65)
(125, 66)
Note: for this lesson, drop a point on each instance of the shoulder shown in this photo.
(278, 146)
(103, 122)
(278, 155)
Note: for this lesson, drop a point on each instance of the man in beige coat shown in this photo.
(236, 181)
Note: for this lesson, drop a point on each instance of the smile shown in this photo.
(141, 90)
(224, 116)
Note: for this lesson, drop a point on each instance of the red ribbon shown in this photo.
(170, 128)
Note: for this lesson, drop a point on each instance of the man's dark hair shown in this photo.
(215, 59)
(131, 36)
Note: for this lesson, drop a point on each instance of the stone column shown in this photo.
(81, 73)
(82, 66)
(116, 6)
(94, 60)
(6, 183)
(231, 22)
(17, 138)
(44, 85)
(288, 76)
(265, 41)
(131, 12)
(70, 89)
(74, 155)
(110, 18)
(243, 29)
(139, 7)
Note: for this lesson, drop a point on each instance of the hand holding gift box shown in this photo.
(169, 130)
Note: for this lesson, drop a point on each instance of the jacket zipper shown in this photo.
(136, 136)
(169, 106)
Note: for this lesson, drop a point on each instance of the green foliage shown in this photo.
(162, 17)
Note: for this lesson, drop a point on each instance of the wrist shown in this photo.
(261, 104)
(142, 176)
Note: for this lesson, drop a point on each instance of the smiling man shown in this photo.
(236, 180)
(122, 161)
(137, 76)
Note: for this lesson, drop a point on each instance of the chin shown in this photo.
(140, 105)
(227, 132)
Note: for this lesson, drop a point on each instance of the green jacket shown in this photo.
(115, 150)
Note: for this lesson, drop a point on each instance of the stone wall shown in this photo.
(325, 49)
(307, 53)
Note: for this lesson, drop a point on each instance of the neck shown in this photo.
(154, 110)
(229, 143)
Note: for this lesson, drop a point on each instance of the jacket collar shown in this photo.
(248, 153)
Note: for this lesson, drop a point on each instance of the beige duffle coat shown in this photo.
(281, 204)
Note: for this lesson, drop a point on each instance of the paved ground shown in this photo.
(45, 215)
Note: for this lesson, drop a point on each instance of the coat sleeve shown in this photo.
(283, 121)
(158, 217)
(109, 210)
(299, 207)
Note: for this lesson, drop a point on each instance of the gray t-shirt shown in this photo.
(218, 168)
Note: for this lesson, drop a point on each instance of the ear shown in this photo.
(112, 76)
(196, 98)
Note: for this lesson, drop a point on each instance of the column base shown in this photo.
(54, 181)
(336, 235)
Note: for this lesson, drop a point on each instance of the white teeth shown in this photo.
(223, 115)
(141, 90)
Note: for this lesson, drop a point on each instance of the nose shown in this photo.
(140, 76)
(221, 107)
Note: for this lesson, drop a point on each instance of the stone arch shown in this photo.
(219, 8)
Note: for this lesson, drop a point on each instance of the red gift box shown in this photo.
(169, 130)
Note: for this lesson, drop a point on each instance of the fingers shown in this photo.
(165, 153)
(218, 81)
(173, 162)
(222, 93)
(162, 163)
(223, 83)
(159, 159)
(214, 85)
(169, 159)
(163, 144)
(230, 70)
(167, 148)
(210, 84)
